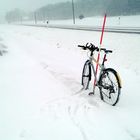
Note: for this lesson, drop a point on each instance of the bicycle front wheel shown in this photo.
(110, 86)
(86, 74)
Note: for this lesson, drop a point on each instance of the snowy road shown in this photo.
(40, 86)
(121, 24)
(128, 30)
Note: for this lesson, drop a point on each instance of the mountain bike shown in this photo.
(108, 80)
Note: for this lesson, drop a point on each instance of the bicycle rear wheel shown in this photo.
(110, 86)
(86, 75)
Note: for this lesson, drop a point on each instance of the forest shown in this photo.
(80, 8)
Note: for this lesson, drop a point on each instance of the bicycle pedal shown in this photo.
(91, 93)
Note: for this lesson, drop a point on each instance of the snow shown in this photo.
(116, 21)
(40, 86)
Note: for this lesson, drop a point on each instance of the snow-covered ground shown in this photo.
(117, 21)
(40, 96)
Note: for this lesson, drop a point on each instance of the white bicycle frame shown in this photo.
(91, 59)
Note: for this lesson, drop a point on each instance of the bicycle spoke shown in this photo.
(86, 75)
(109, 87)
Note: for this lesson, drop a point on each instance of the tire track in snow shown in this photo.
(79, 116)
(77, 124)
(72, 107)
(132, 135)
(65, 78)
(76, 103)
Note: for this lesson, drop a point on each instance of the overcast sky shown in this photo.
(29, 5)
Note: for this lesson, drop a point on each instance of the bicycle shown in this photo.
(108, 81)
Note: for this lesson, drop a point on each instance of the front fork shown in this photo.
(96, 82)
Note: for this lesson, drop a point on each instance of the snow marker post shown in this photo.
(103, 28)
(101, 39)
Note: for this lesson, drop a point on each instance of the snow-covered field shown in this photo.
(40, 96)
(117, 21)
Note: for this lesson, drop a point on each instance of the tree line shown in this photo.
(82, 8)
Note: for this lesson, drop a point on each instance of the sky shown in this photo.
(27, 5)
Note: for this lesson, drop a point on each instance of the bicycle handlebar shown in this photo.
(92, 48)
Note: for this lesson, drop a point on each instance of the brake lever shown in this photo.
(87, 45)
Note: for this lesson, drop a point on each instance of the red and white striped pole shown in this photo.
(101, 39)
(103, 28)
